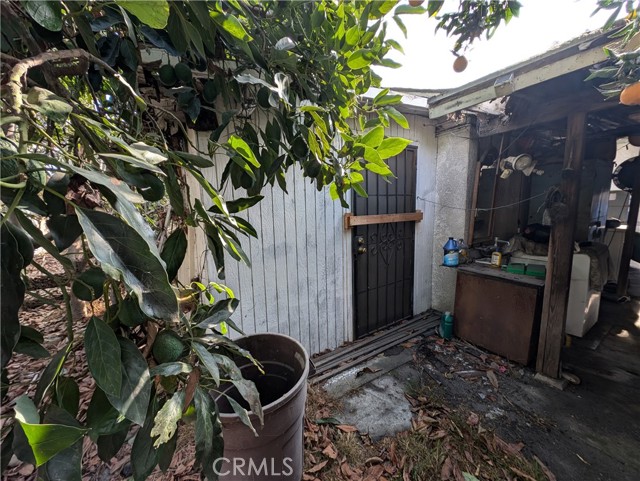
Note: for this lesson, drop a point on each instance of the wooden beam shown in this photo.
(526, 74)
(556, 289)
(629, 236)
(351, 220)
(545, 112)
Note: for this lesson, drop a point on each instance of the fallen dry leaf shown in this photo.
(375, 471)
(318, 467)
(346, 469)
(493, 379)
(367, 370)
(473, 419)
(447, 469)
(374, 460)
(330, 451)
(547, 472)
(347, 428)
(521, 474)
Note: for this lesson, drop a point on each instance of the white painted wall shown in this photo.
(455, 170)
(300, 282)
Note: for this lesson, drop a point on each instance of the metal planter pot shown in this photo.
(277, 452)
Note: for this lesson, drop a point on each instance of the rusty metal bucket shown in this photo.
(277, 452)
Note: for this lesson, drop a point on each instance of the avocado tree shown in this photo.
(97, 100)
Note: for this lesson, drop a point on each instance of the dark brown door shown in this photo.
(384, 253)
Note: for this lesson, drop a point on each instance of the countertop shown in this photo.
(493, 272)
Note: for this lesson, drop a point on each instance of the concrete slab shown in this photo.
(359, 375)
(379, 408)
(560, 384)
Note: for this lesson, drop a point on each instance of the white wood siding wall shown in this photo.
(300, 282)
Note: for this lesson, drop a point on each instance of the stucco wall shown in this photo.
(455, 170)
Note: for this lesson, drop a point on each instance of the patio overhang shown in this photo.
(574, 55)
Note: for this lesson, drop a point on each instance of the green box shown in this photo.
(536, 270)
(516, 268)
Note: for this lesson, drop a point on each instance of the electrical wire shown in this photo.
(480, 209)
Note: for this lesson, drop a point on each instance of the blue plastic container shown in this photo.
(451, 253)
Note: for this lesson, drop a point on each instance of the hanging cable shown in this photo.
(480, 209)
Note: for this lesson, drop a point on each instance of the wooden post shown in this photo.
(556, 289)
(627, 247)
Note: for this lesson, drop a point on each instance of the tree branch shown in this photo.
(19, 70)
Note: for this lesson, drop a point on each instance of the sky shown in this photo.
(428, 61)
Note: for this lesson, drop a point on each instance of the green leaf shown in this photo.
(89, 285)
(102, 417)
(64, 229)
(49, 104)
(408, 9)
(372, 155)
(135, 390)
(118, 187)
(171, 369)
(173, 252)
(249, 392)
(143, 453)
(242, 414)
(220, 312)
(231, 25)
(50, 373)
(388, 100)
(434, 6)
(130, 159)
(469, 477)
(125, 255)
(238, 205)
(392, 146)
(66, 465)
(396, 45)
(333, 191)
(331, 420)
(360, 59)
(103, 356)
(166, 421)
(68, 394)
(194, 160)
(359, 190)
(387, 62)
(41, 240)
(399, 118)
(110, 444)
(30, 348)
(174, 191)
(208, 360)
(241, 147)
(378, 169)
(374, 137)
(45, 13)
(46, 440)
(154, 13)
(129, 313)
(400, 25)
(12, 291)
(166, 452)
(209, 442)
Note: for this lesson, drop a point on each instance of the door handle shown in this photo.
(362, 250)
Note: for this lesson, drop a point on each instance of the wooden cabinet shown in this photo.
(498, 311)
